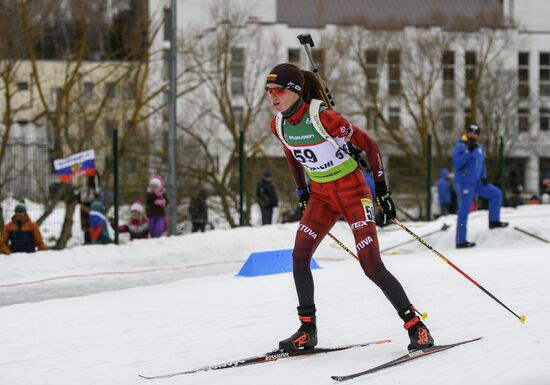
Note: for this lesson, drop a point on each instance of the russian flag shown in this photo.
(81, 164)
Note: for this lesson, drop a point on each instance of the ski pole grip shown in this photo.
(306, 39)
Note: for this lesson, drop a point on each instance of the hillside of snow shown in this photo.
(104, 314)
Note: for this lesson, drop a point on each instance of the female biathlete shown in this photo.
(315, 140)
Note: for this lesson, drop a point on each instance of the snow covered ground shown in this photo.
(104, 314)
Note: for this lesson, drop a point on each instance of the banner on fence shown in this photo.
(80, 164)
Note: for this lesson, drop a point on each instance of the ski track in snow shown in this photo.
(104, 314)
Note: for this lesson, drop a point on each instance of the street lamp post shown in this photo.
(172, 115)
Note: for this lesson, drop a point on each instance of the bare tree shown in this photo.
(409, 84)
(229, 101)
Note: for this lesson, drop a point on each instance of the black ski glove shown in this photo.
(303, 197)
(472, 146)
(386, 210)
(356, 155)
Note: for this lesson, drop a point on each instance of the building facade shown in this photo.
(513, 103)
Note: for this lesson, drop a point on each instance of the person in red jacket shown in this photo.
(316, 142)
(138, 224)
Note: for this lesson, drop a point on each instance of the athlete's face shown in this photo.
(280, 97)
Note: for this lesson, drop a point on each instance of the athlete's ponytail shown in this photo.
(312, 87)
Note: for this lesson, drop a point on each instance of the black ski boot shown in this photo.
(306, 336)
(497, 224)
(465, 245)
(418, 332)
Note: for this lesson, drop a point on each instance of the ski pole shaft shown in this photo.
(531, 234)
(343, 246)
(521, 318)
(443, 228)
(422, 314)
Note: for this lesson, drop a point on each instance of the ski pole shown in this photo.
(521, 318)
(343, 246)
(443, 228)
(531, 234)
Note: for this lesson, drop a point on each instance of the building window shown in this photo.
(55, 95)
(544, 74)
(448, 119)
(294, 56)
(523, 75)
(131, 90)
(468, 118)
(166, 105)
(88, 91)
(237, 71)
(110, 126)
(372, 119)
(395, 120)
(89, 126)
(544, 119)
(394, 72)
(523, 119)
(23, 86)
(110, 91)
(165, 64)
(449, 74)
(470, 71)
(167, 24)
(130, 165)
(318, 56)
(371, 60)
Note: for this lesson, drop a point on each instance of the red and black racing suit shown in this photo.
(331, 200)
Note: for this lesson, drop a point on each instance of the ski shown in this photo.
(266, 357)
(406, 358)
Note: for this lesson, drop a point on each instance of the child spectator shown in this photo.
(22, 235)
(138, 225)
(156, 202)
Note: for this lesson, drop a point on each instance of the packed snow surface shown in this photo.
(98, 315)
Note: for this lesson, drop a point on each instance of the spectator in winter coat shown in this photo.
(99, 233)
(198, 210)
(85, 196)
(444, 191)
(156, 202)
(267, 197)
(470, 179)
(22, 235)
(138, 225)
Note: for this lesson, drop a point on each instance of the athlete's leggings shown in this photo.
(328, 202)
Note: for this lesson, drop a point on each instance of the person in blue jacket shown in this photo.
(99, 233)
(470, 179)
(444, 191)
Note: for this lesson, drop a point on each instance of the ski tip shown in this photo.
(337, 378)
(522, 319)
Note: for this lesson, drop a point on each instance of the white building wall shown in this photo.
(533, 35)
(530, 15)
